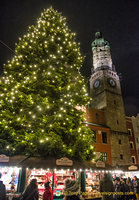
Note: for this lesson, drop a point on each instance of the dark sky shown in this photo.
(118, 20)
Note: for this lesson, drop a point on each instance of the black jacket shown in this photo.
(2, 191)
(31, 193)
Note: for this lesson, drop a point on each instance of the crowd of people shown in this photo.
(110, 188)
(119, 188)
(71, 191)
(31, 192)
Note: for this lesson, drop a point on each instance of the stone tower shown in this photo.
(105, 91)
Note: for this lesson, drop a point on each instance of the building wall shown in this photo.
(131, 139)
(117, 142)
(96, 116)
(120, 149)
(96, 120)
(102, 57)
(109, 99)
(135, 123)
(101, 147)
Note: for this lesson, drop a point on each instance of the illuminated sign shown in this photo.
(4, 158)
(64, 161)
(100, 163)
(132, 167)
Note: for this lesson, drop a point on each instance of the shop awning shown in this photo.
(49, 162)
(37, 162)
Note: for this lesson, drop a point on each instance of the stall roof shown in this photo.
(49, 162)
(37, 162)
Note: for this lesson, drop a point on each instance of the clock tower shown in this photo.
(105, 91)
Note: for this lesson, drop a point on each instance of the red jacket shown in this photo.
(48, 194)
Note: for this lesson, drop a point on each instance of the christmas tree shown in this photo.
(41, 91)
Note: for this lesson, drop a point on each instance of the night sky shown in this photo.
(118, 20)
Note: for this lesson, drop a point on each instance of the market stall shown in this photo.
(56, 171)
(55, 177)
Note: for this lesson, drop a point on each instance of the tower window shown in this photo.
(117, 122)
(121, 156)
(120, 142)
(104, 137)
(114, 102)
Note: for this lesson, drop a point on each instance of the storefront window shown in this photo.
(92, 181)
(56, 178)
(59, 179)
(10, 178)
(42, 177)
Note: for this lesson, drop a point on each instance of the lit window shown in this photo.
(104, 156)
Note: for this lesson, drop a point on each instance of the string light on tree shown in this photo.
(40, 90)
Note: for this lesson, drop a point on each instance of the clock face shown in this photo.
(112, 82)
(97, 83)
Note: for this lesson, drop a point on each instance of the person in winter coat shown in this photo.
(71, 191)
(136, 187)
(117, 188)
(106, 185)
(2, 190)
(131, 196)
(31, 192)
(130, 184)
(48, 193)
(123, 188)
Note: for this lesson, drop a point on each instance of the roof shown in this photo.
(99, 41)
(93, 124)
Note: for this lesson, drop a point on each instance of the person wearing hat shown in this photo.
(71, 191)
(31, 192)
(48, 193)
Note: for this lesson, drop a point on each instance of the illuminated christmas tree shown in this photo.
(41, 91)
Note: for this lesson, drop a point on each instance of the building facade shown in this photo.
(133, 150)
(135, 123)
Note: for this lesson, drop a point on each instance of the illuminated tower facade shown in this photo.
(105, 91)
